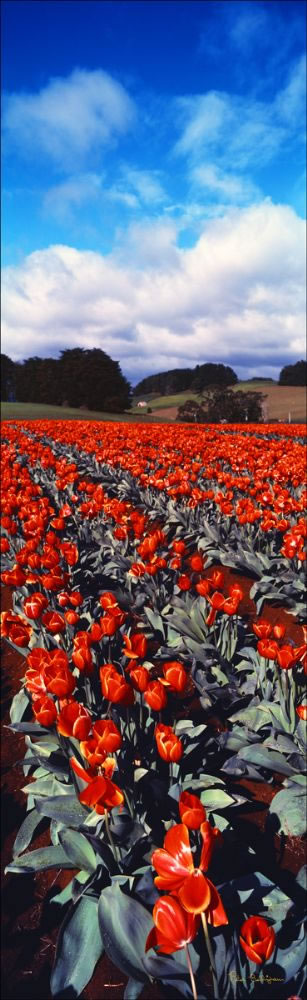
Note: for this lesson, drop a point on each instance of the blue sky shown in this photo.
(153, 181)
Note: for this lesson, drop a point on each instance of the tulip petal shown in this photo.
(195, 893)
(178, 844)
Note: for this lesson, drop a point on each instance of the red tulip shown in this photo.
(101, 794)
(155, 696)
(54, 622)
(203, 588)
(169, 746)
(114, 687)
(257, 939)
(211, 838)
(217, 579)
(135, 646)
(262, 629)
(191, 810)
(56, 675)
(176, 873)
(44, 710)
(139, 677)
(175, 675)
(83, 660)
(184, 582)
(35, 605)
(74, 720)
(196, 563)
(268, 648)
(174, 927)
(286, 657)
(279, 631)
(302, 712)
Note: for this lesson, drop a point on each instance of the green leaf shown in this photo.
(216, 798)
(270, 759)
(289, 805)
(25, 832)
(124, 926)
(19, 705)
(78, 850)
(66, 808)
(40, 861)
(133, 989)
(79, 947)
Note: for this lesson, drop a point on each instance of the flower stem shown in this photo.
(114, 848)
(189, 964)
(210, 953)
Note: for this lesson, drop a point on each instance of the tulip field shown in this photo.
(154, 706)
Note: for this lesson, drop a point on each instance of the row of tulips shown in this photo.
(110, 674)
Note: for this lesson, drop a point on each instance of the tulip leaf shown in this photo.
(289, 805)
(270, 759)
(41, 860)
(124, 926)
(65, 808)
(133, 989)
(78, 850)
(26, 831)
(19, 705)
(216, 799)
(78, 950)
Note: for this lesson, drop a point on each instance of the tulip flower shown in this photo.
(135, 646)
(15, 628)
(101, 794)
(192, 812)
(174, 927)
(177, 874)
(139, 677)
(169, 745)
(74, 720)
(44, 710)
(54, 622)
(114, 687)
(268, 648)
(35, 605)
(301, 711)
(262, 629)
(184, 582)
(257, 939)
(155, 696)
(286, 657)
(83, 660)
(175, 675)
(57, 677)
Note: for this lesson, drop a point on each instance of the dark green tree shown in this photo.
(223, 405)
(91, 379)
(294, 374)
(8, 379)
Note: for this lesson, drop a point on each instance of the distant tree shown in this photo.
(27, 380)
(294, 374)
(213, 374)
(218, 405)
(8, 379)
(90, 378)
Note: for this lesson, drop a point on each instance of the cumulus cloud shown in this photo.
(69, 118)
(238, 292)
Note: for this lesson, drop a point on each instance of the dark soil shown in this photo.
(29, 922)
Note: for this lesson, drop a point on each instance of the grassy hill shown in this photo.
(42, 411)
(280, 400)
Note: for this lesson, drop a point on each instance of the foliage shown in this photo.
(223, 405)
(294, 374)
(181, 379)
(79, 378)
(108, 544)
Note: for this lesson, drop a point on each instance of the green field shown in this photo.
(280, 401)
(42, 411)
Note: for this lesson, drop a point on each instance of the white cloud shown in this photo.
(251, 22)
(228, 186)
(243, 132)
(237, 294)
(69, 118)
(146, 184)
(62, 199)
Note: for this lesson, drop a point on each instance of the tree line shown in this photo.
(183, 379)
(80, 378)
(198, 378)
